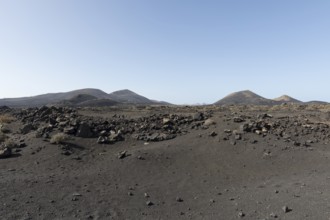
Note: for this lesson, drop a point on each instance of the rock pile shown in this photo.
(295, 130)
(158, 127)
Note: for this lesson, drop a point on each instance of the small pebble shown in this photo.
(179, 199)
(241, 214)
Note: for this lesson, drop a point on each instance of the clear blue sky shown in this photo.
(181, 51)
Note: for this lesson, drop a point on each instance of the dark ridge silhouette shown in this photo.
(81, 97)
(127, 96)
(245, 97)
(287, 99)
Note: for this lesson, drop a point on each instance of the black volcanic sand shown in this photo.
(207, 172)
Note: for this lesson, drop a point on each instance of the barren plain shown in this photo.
(158, 162)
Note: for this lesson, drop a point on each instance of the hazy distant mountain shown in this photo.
(50, 98)
(316, 103)
(96, 97)
(77, 99)
(245, 97)
(81, 97)
(98, 103)
(160, 102)
(127, 96)
(286, 98)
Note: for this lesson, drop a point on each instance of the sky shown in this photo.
(180, 51)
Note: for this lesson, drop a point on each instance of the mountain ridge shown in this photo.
(97, 97)
(247, 97)
(128, 96)
(286, 98)
(87, 96)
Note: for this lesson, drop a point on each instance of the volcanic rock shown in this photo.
(209, 122)
(122, 154)
(6, 152)
(27, 128)
(84, 131)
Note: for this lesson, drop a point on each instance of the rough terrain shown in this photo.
(210, 162)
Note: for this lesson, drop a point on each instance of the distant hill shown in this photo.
(245, 97)
(98, 103)
(81, 97)
(127, 96)
(155, 102)
(77, 99)
(316, 103)
(50, 98)
(287, 99)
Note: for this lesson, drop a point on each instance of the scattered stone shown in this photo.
(21, 145)
(213, 134)
(238, 120)
(264, 130)
(6, 152)
(296, 143)
(103, 140)
(140, 158)
(273, 215)
(238, 137)
(179, 199)
(264, 116)
(198, 116)
(228, 131)
(167, 121)
(122, 154)
(245, 128)
(157, 137)
(149, 203)
(27, 128)
(84, 131)
(69, 130)
(241, 214)
(286, 209)
(209, 122)
(76, 194)
(309, 141)
(67, 152)
(153, 137)
(114, 137)
(77, 158)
